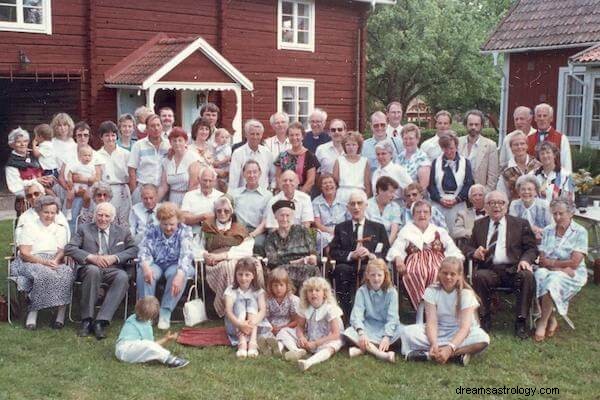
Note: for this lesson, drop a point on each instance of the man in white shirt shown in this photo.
(394, 117)
(479, 150)
(197, 204)
(378, 127)
(252, 150)
(167, 118)
(143, 215)
(288, 181)
(431, 147)
(328, 153)
(278, 142)
(146, 159)
(250, 203)
(522, 117)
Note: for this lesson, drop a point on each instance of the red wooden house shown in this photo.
(96, 59)
(550, 55)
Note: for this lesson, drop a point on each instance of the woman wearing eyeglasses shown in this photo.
(328, 152)
(298, 159)
(225, 241)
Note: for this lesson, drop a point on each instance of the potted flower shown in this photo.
(584, 183)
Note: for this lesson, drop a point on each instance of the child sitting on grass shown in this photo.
(136, 341)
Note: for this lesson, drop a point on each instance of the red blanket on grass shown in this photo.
(203, 337)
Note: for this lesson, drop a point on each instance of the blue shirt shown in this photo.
(330, 215)
(368, 150)
(391, 214)
(133, 329)
(376, 312)
(417, 160)
(311, 143)
(163, 251)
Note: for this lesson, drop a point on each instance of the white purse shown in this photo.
(194, 311)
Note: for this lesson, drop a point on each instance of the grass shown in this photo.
(46, 364)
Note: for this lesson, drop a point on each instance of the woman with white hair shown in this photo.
(101, 192)
(529, 206)
(224, 242)
(21, 167)
(39, 267)
(384, 151)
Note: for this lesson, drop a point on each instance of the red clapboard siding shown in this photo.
(534, 79)
(196, 68)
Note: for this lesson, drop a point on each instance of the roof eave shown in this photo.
(536, 48)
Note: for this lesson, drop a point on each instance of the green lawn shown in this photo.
(46, 364)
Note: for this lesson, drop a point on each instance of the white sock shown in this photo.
(318, 357)
(31, 318)
(289, 342)
(60, 313)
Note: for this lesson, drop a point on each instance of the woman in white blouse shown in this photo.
(39, 267)
(114, 171)
(418, 252)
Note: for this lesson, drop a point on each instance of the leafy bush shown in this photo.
(587, 158)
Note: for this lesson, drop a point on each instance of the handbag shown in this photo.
(194, 311)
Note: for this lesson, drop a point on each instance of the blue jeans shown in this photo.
(144, 289)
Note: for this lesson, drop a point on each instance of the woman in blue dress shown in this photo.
(328, 209)
(562, 271)
(530, 206)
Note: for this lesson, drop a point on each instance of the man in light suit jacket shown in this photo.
(480, 151)
(354, 240)
(101, 249)
(465, 219)
(504, 249)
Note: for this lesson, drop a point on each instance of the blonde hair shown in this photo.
(378, 263)
(62, 119)
(168, 210)
(147, 308)
(279, 275)
(316, 282)
(461, 283)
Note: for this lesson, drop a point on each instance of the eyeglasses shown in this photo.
(336, 130)
(380, 125)
(82, 134)
(101, 194)
(32, 195)
(496, 203)
(223, 211)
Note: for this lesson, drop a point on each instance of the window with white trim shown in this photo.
(573, 110)
(296, 25)
(595, 132)
(296, 97)
(33, 16)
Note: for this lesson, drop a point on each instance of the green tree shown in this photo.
(430, 49)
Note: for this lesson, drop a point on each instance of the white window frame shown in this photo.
(296, 82)
(590, 107)
(20, 26)
(562, 103)
(281, 45)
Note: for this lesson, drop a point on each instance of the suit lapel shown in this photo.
(95, 234)
(112, 237)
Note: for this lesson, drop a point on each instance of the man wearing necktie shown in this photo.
(354, 240)
(394, 117)
(503, 249)
(543, 115)
(143, 215)
(101, 249)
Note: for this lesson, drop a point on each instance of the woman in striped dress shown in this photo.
(419, 250)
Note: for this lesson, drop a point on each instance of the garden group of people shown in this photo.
(155, 198)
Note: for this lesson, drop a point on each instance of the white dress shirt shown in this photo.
(327, 154)
(396, 172)
(114, 165)
(196, 202)
(432, 148)
(147, 160)
(250, 205)
(262, 155)
(303, 212)
(500, 256)
(138, 221)
(275, 146)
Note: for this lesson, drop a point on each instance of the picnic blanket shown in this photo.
(203, 337)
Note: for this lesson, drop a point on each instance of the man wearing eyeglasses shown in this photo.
(355, 241)
(503, 249)
(316, 136)
(34, 190)
(379, 130)
(394, 117)
(329, 152)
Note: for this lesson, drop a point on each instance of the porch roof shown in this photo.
(160, 55)
(587, 56)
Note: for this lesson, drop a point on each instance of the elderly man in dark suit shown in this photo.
(503, 249)
(101, 249)
(354, 242)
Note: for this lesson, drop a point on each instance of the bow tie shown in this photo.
(450, 163)
(480, 212)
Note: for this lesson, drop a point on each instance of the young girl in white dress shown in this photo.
(374, 323)
(352, 170)
(282, 310)
(452, 331)
(319, 325)
(245, 309)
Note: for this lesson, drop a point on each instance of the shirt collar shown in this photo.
(319, 313)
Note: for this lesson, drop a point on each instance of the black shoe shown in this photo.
(521, 330)
(86, 328)
(99, 330)
(176, 362)
(463, 359)
(58, 325)
(417, 355)
(486, 323)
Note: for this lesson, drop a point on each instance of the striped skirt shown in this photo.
(421, 271)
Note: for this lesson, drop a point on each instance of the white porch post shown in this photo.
(150, 97)
(237, 119)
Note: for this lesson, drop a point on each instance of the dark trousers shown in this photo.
(344, 276)
(92, 277)
(505, 275)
